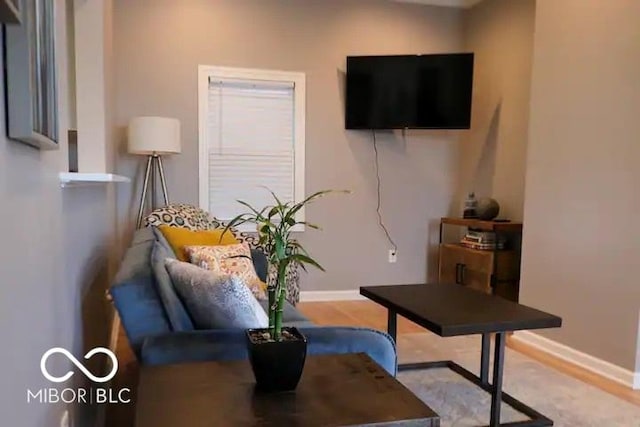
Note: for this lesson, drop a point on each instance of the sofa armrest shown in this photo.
(230, 344)
(140, 310)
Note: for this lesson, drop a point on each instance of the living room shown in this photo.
(552, 138)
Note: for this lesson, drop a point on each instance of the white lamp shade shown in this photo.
(149, 135)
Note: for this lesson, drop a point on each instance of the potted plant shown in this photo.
(277, 354)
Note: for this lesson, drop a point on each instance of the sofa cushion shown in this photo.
(176, 313)
(216, 301)
(233, 260)
(136, 260)
(178, 238)
(180, 215)
(289, 313)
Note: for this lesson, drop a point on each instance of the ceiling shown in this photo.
(464, 4)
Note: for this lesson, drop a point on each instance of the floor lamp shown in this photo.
(153, 137)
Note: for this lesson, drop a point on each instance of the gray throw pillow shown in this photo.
(215, 301)
(173, 307)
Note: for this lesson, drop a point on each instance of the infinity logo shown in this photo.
(85, 371)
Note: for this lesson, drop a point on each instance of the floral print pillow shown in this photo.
(232, 260)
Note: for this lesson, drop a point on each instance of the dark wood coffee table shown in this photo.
(450, 310)
(335, 390)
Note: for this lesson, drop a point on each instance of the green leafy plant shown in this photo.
(274, 226)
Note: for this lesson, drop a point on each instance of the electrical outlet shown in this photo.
(393, 255)
(64, 419)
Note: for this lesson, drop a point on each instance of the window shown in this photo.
(251, 136)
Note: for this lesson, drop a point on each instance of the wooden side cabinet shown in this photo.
(491, 271)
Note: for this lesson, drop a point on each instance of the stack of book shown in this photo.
(483, 240)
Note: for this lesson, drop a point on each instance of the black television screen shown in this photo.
(409, 91)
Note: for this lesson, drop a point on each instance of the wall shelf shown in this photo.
(73, 179)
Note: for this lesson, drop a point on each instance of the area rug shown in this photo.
(567, 401)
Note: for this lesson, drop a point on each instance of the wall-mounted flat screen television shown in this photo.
(409, 91)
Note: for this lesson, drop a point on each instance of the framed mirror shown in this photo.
(32, 89)
(10, 11)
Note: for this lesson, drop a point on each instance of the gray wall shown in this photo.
(581, 238)
(53, 273)
(159, 44)
(493, 152)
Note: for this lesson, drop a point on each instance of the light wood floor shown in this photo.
(351, 313)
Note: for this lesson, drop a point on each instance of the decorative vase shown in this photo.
(487, 208)
(277, 365)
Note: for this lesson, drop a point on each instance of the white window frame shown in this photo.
(205, 72)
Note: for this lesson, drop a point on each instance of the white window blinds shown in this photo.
(250, 143)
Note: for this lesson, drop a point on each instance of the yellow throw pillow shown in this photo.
(229, 260)
(178, 238)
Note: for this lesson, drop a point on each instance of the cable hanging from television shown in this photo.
(378, 194)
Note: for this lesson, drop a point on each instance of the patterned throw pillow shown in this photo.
(180, 215)
(195, 219)
(215, 301)
(233, 260)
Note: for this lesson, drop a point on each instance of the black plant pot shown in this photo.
(277, 365)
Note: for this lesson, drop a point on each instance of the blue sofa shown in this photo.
(146, 318)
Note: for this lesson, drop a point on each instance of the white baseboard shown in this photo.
(590, 363)
(349, 295)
